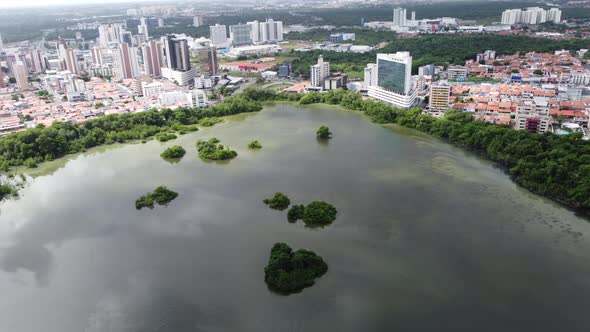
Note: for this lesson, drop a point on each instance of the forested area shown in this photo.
(437, 49)
(43, 144)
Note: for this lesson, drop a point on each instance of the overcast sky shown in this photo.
(21, 3)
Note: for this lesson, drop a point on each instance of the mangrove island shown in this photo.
(160, 195)
(254, 145)
(279, 202)
(211, 150)
(290, 272)
(324, 133)
(319, 213)
(173, 152)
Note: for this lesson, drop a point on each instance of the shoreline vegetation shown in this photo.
(161, 196)
(556, 167)
(289, 272)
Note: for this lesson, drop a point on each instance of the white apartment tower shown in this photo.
(399, 17)
(319, 72)
(370, 75)
(271, 31)
(218, 35)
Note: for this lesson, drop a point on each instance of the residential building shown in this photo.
(177, 53)
(143, 28)
(394, 80)
(254, 31)
(370, 76)
(126, 64)
(152, 58)
(426, 70)
(340, 37)
(335, 81)
(208, 60)
(240, 34)
(218, 35)
(439, 97)
(20, 73)
(71, 61)
(319, 72)
(109, 34)
(457, 73)
(198, 21)
(531, 15)
(399, 17)
(271, 31)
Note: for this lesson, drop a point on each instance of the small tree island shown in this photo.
(319, 213)
(254, 145)
(161, 195)
(173, 152)
(324, 133)
(279, 202)
(290, 272)
(211, 150)
(295, 213)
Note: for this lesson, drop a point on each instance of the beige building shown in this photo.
(20, 73)
(439, 96)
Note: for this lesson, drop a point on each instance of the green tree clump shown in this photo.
(211, 150)
(161, 196)
(324, 133)
(165, 137)
(319, 213)
(173, 152)
(296, 212)
(209, 122)
(254, 145)
(279, 202)
(289, 272)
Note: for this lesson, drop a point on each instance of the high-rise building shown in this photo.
(426, 70)
(71, 61)
(319, 72)
(152, 58)
(240, 34)
(37, 61)
(110, 34)
(413, 15)
(208, 60)
(20, 73)
(531, 15)
(218, 35)
(394, 80)
(96, 53)
(439, 97)
(2, 83)
(177, 54)
(271, 31)
(143, 28)
(254, 31)
(399, 17)
(370, 75)
(126, 64)
(198, 21)
(1, 42)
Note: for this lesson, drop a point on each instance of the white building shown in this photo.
(531, 15)
(218, 35)
(394, 80)
(254, 31)
(370, 75)
(151, 89)
(399, 17)
(181, 78)
(319, 72)
(203, 82)
(271, 31)
(198, 21)
(198, 98)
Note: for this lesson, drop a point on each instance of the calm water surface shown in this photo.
(428, 238)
